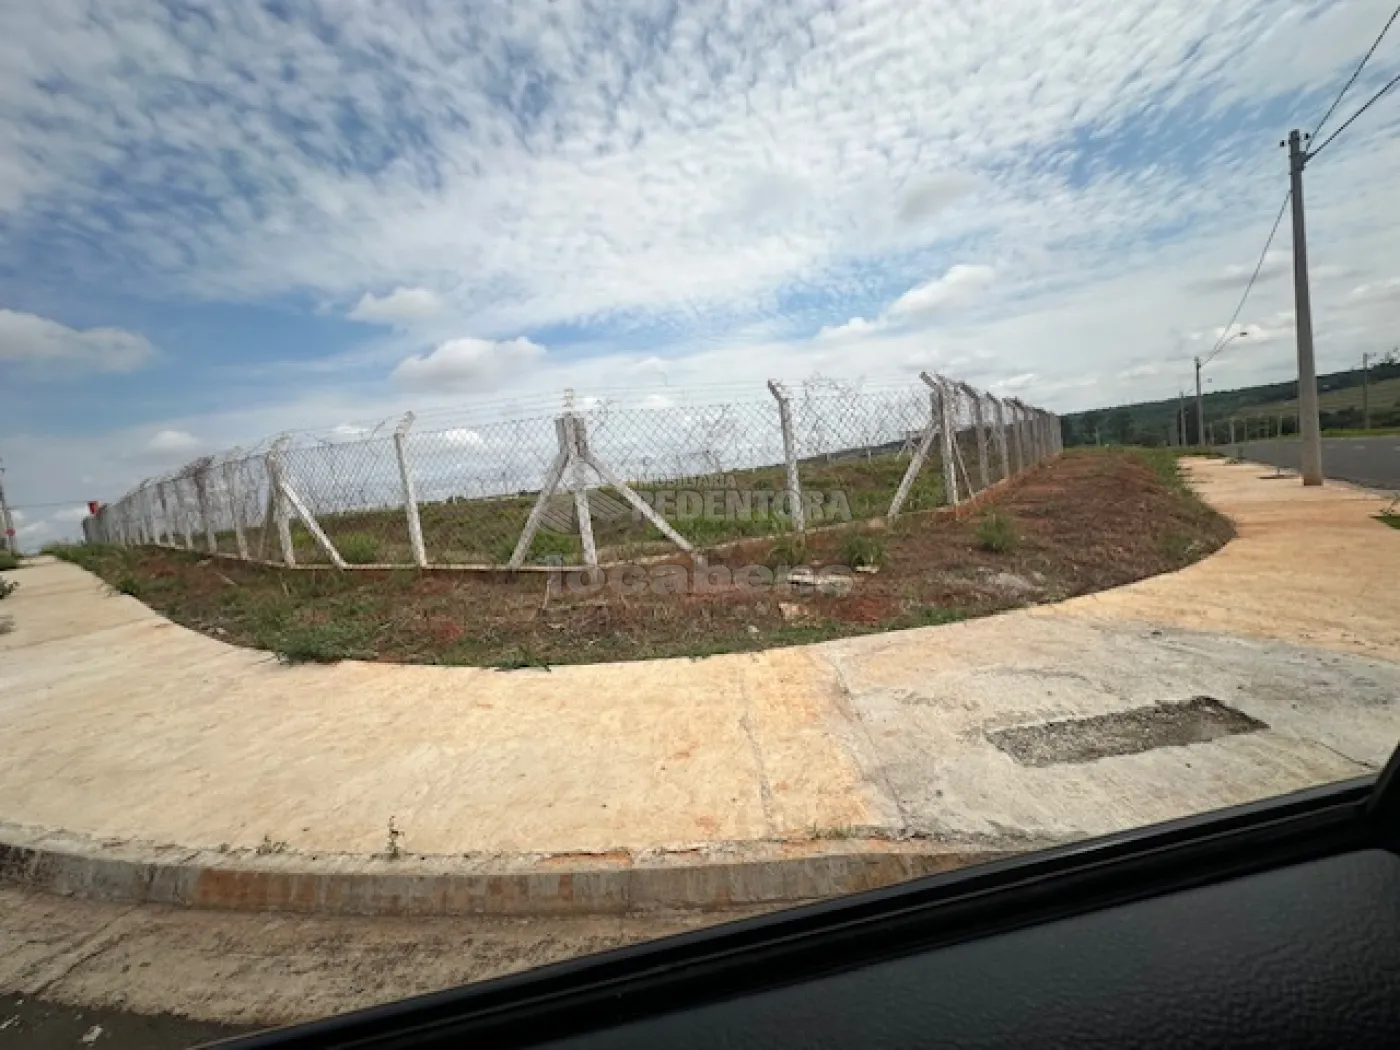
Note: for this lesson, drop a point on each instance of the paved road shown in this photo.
(40, 1025)
(1373, 461)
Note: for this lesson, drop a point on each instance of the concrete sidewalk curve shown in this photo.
(143, 761)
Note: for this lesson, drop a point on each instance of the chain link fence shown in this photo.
(597, 484)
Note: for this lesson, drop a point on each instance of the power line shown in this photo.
(1356, 73)
(1394, 80)
(1220, 343)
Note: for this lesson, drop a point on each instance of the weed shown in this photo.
(7, 624)
(359, 548)
(863, 548)
(841, 831)
(127, 584)
(392, 849)
(323, 643)
(931, 615)
(997, 533)
(1393, 520)
(787, 550)
(7, 587)
(1178, 548)
(8, 561)
(267, 846)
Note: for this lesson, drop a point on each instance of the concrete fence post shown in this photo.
(206, 511)
(920, 454)
(794, 480)
(235, 503)
(978, 420)
(410, 495)
(551, 482)
(277, 503)
(578, 444)
(1018, 437)
(943, 395)
(1003, 454)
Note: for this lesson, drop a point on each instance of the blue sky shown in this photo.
(222, 220)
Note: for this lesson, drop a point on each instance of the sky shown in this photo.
(220, 221)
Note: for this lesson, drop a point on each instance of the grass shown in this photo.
(1393, 520)
(1080, 523)
(863, 549)
(359, 548)
(8, 561)
(996, 532)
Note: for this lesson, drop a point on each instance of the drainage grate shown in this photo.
(1173, 724)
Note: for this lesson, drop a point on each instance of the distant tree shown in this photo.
(1118, 427)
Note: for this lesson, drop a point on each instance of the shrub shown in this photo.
(8, 561)
(787, 550)
(863, 548)
(997, 533)
(7, 587)
(359, 548)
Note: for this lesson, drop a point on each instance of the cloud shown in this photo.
(168, 441)
(1236, 276)
(53, 350)
(402, 306)
(348, 430)
(69, 514)
(469, 363)
(461, 437)
(956, 287)
(658, 401)
(1377, 291)
(852, 329)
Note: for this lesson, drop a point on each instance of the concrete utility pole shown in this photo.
(1200, 407)
(1181, 438)
(1309, 432)
(1366, 391)
(7, 521)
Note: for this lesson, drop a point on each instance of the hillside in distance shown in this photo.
(1340, 406)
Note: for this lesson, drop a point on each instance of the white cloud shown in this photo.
(852, 329)
(55, 350)
(469, 363)
(461, 437)
(956, 287)
(402, 306)
(349, 430)
(1377, 291)
(173, 441)
(658, 401)
(69, 514)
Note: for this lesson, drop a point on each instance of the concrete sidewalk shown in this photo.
(140, 757)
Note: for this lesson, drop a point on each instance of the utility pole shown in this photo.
(1181, 425)
(1309, 432)
(7, 521)
(1366, 391)
(1200, 407)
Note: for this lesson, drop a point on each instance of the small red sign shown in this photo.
(92, 506)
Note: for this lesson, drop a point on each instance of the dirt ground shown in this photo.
(1079, 524)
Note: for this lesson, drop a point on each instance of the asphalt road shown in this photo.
(1371, 461)
(36, 1024)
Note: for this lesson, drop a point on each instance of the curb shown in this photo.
(710, 877)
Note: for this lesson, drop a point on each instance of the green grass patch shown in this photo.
(1393, 520)
(8, 561)
(863, 548)
(997, 533)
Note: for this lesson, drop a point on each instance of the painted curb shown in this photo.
(712, 877)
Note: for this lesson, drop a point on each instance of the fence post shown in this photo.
(206, 516)
(551, 482)
(977, 423)
(1002, 452)
(920, 454)
(1013, 411)
(410, 497)
(277, 502)
(944, 391)
(794, 481)
(578, 450)
(235, 503)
